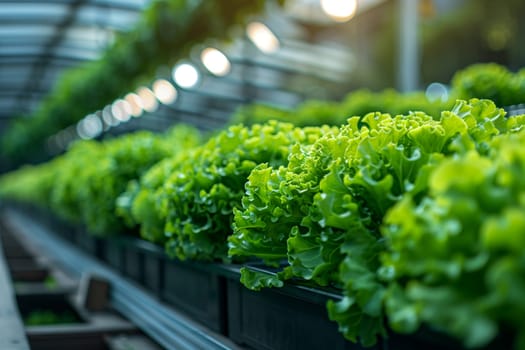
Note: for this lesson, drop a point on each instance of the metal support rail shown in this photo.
(163, 324)
(12, 332)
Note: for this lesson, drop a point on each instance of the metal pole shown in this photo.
(408, 46)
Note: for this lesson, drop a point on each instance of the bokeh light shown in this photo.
(339, 10)
(215, 61)
(186, 75)
(164, 91)
(262, 37)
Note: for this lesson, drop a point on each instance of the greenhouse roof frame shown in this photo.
(41, 39)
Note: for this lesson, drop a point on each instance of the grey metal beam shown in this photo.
(408, 45)
(12, 332)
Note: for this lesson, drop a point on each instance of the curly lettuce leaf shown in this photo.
(205, 192)
(455, 256)
(257, 280)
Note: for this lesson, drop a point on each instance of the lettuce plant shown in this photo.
(206, 186)
(455, 256)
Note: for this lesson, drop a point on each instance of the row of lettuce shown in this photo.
(485, 81)
(417, 219)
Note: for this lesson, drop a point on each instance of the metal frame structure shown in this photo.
(40, 39)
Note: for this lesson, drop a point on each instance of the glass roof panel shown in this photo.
(39, 39)
(35, 12)
(91, 36)
(21, 50)
(11, 71)
(121, 20)
(137, 4)
(78, 53)
(17, 30)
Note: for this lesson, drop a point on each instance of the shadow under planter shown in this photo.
(52, 322)
(47, 309)
(113, 253)
(129, 256)
(198, 291)
(195, 289)
(89, 243)
(27, 270)
(291, 317)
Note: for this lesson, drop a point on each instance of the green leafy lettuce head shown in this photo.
(77, 167)
(94, 174)
(201, 195)
(32, 183)
(401, 165)
(124, 159)
(455, 256)
(490, 81)
(140, 204)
